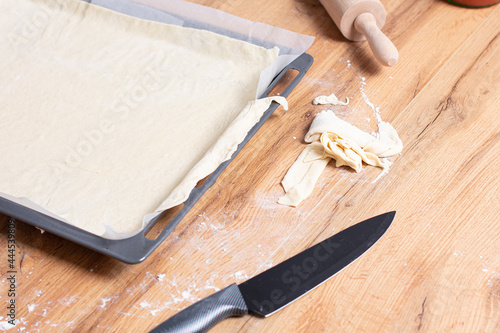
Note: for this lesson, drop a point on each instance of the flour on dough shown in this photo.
(107, 120)
(333, 138)
(329, 100)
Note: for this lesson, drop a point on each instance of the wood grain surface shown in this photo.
(437, 269)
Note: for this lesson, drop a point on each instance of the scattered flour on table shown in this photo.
(6, 326)
(375, 109)
(380, 175)
(240, 275)
(144, 305)
(106, 300)
(174, 295)
(495, 276)
(67, 301)
(31, 307)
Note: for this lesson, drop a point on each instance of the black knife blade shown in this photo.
(284, 283)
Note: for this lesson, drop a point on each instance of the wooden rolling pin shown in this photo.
(362, 20)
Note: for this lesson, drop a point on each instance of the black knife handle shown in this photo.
(205, 314)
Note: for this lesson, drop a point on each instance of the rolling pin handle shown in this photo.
(382, 47)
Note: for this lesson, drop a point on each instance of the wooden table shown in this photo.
(437, 269)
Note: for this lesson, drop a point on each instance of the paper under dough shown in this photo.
(331, 137)
(106, 120)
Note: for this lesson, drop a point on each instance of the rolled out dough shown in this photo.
(333, 138)
(107, 120)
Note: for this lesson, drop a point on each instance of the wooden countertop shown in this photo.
(437, 269)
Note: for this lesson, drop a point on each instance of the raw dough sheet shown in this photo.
(103, 115)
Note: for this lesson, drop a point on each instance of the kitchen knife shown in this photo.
(280, 285)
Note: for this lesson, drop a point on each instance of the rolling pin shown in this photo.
(362, 20)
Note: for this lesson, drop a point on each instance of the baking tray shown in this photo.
(137, 248)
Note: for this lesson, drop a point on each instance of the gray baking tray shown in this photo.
(136, 249)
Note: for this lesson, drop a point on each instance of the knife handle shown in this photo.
(205, 314)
